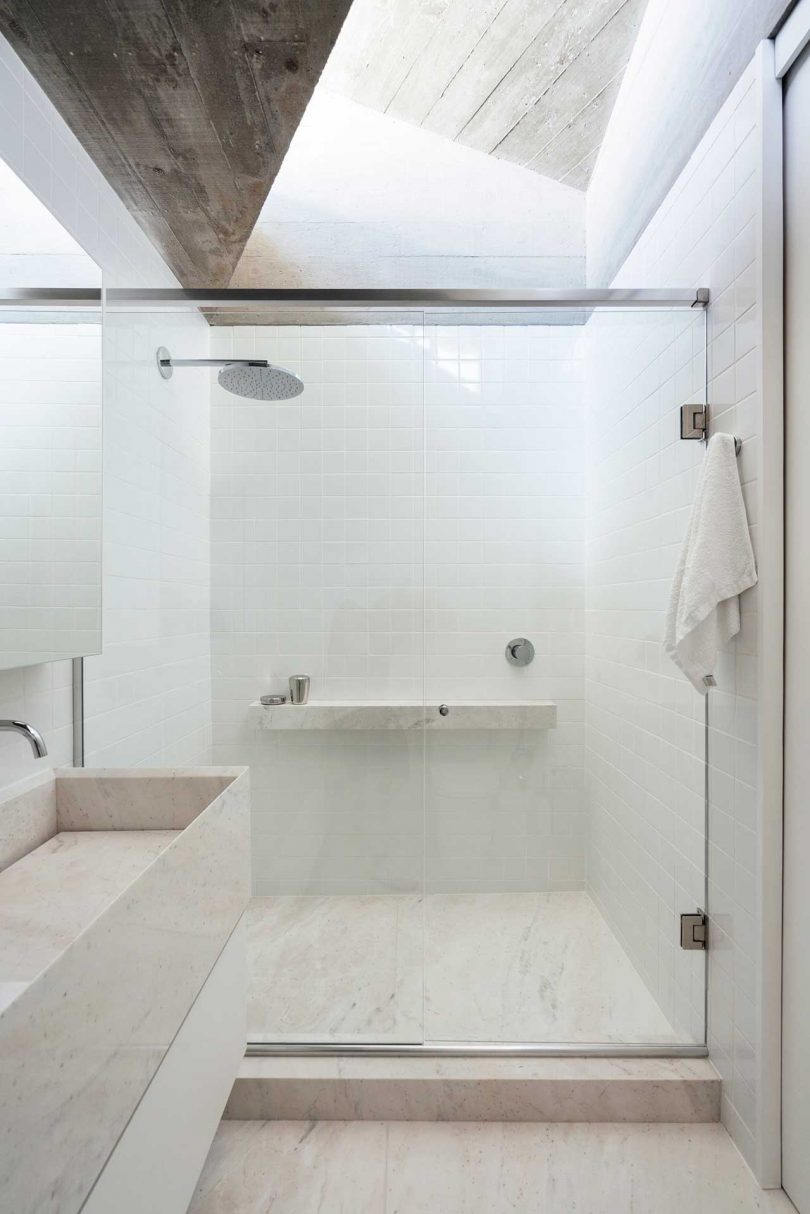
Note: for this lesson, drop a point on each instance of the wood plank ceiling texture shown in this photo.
(186, 106)
(531, 81)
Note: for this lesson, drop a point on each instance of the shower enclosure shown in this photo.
(454, 849)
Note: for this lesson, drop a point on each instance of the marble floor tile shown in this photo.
(298, 1167)
(557, 1169)
(277, 1167)
(495, 967)
(339, 969)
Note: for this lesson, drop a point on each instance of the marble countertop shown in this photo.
(405, 715)
(51, 895)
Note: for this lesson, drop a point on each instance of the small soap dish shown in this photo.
(272, 701)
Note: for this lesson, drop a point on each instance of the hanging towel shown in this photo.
(715, 566)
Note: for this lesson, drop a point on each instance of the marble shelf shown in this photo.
(408, 715)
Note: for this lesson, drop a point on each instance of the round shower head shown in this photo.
(255, 378)
(260, 381)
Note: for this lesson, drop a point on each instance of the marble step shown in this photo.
(475, 1089)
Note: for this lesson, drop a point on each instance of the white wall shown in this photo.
(50, 461)
(319, 517)
(364, 200)
(705, 233)
(35, 249)
(685, 63)
(147, 697)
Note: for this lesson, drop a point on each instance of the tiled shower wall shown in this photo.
(504, 558)
(339, 553)
(317, 569)
(643, 770)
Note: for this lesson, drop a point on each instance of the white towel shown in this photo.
(716, 565)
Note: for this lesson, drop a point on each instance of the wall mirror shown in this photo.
(50, 440)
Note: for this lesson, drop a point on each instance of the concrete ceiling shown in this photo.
(186, 106)
(531, 81)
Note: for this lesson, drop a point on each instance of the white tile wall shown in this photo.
(705, 233)
(148, 697)
(317, 533)
(329, 543)
(504, 515)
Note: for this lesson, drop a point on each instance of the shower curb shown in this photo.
(475, 1089)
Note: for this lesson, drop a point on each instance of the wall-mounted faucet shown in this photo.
(33, 736)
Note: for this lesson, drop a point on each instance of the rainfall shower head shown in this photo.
(254, 378)
(259, 381)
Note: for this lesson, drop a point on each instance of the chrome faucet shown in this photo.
(33, 736)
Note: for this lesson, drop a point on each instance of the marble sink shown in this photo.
(119, 890)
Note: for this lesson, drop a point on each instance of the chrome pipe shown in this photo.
(616, 297)
(123, 297)
(78, 712)
(64, 297)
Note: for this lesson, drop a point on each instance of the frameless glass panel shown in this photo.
(317, 552)
(565, 827)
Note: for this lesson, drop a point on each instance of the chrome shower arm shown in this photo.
(168, 361)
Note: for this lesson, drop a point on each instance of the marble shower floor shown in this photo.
(446, 968)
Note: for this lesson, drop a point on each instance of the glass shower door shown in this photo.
(565, 829)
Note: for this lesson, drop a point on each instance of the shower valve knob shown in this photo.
(519, 652)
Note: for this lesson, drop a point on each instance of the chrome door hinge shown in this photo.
(694, 421)
(693, 930)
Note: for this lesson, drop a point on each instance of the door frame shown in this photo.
(788, 44)
(771, 619)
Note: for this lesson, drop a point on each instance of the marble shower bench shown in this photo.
(404, 715)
